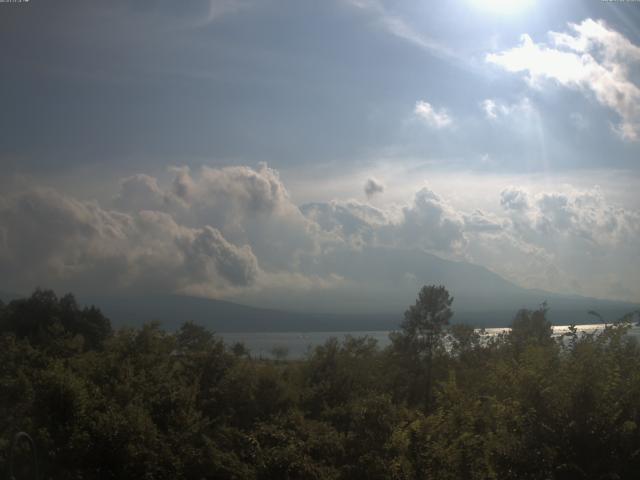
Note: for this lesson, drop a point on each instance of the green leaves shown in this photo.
(147, 403)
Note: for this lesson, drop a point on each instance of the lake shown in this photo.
(298, 344)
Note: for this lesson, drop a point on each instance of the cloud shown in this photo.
(372, 187)
(432, 224)
(234, 232)
(428, 223)
(580, 214)
(436, 118)
(490, 108)
(495, 109)
(578, 235)
(183, 186)
(248, 206)
(215, 233)
(592, 58)
(482, 222)
(514, 199)
(570, 240)
(140, 192)
(400, 28)
(350, 223)
(50, 237)
(209, 254)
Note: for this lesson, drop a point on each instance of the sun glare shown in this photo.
(502, 7)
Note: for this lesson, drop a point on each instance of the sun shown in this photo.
(502, 7)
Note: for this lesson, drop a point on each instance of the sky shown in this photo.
(235, 148)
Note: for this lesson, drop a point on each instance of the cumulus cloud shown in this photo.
(251, 206)
(432, 224)
(549, 240)
(570, 240)
(248, 206)
(232, 232)
(581, 215)
(514, 198)
(217, 232)
(591, 58)
(204, 233)
(208, 254)
(428, 223)
(51, 237)
(482, 222)
(140, 192)
(183, 186)
(372, 187)
(436, 118)
(353, 223)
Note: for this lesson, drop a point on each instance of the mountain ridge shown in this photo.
(390, 280)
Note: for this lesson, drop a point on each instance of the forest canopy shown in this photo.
(439, 402)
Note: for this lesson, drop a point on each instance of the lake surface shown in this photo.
(261, 344)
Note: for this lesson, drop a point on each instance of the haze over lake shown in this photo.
(296, 345)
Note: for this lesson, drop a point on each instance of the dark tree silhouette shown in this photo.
(43, 316)
(531, 327)
(423, 329)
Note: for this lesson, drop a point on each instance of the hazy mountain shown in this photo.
(385, 281)
(379, 285)
(222, 316)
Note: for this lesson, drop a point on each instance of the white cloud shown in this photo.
(482, 222)
(356, 224)
(204, 234)
(593, 58)
(435, 118)
(432, 224)
(495, 109)
(56, 239)
(231, 232)
(567, 240)
(578, 235)
(514, 198)
(490, 108)
(428, 223)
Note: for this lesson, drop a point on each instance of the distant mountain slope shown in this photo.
(222, 316)
(392, 278)
(379, 284)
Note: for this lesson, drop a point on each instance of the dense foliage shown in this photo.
(145, 403)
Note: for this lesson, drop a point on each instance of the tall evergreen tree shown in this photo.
(423, 329)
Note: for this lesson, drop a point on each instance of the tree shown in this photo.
(423, 329)
(194, 338)
(43, 317)
(531, 327)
